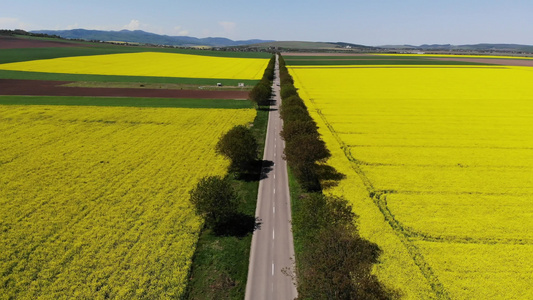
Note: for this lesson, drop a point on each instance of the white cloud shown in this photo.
(133, 25)
(180, 31)
(229, 27)
(12, 23)
(73, 26)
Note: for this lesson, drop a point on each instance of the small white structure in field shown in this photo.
(219, 84)
(241, 84)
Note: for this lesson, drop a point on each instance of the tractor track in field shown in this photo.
(376, 196)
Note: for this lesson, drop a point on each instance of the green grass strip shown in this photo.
(316, 62)
(355, 57)
(17, 55)
(125, 102)
(5, 74)
(25, 54)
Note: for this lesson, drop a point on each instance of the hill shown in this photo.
(143, 37)
(474, 47)
(315, 46)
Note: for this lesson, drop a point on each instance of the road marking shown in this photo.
(274, 190)
(272, 269)
(274, 175)
(274, 209)
(273, 234)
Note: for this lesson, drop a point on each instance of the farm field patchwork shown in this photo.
(438, 163)
(148, 64)
(94, 200)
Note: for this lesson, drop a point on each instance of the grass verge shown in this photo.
(6, 74)
(125, 102)
(220, 264)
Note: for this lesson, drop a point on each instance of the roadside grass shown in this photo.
(295, 192)
(25, 54)
(6, 74)
(220, 264)
(125, 102)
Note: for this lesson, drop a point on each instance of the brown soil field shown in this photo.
(9, 42)
(495, 61)
(55, 88)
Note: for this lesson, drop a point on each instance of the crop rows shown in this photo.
(445, 155)
(93, 200)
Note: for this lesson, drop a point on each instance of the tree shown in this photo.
(294, 100)
(214, 199)
(298, 128)
(240, 146)
(306, 149)
(294, 113)
(288, 90)
(261, 93)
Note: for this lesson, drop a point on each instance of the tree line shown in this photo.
(333, 261)
(261, 93)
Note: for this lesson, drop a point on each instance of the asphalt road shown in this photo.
(272, 244)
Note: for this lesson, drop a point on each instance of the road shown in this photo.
(272, 244)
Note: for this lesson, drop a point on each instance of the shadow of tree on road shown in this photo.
(257, 171)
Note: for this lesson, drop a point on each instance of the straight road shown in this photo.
(272, 244)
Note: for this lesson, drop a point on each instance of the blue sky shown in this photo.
(369, 22)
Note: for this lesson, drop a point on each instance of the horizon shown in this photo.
(387, 22)
(222, 37)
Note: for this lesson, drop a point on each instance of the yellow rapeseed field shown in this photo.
(94, 200)
(438, 164)
(148, 64)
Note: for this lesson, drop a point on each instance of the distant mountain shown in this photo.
(475, 47)
(143, 37)
(309, 46)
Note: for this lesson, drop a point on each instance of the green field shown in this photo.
(17, 55)
(5, 74)
(124, 102)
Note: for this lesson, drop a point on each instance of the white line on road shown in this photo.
(272, 269)
(274, 209)
(274, 190)
(273, 234)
